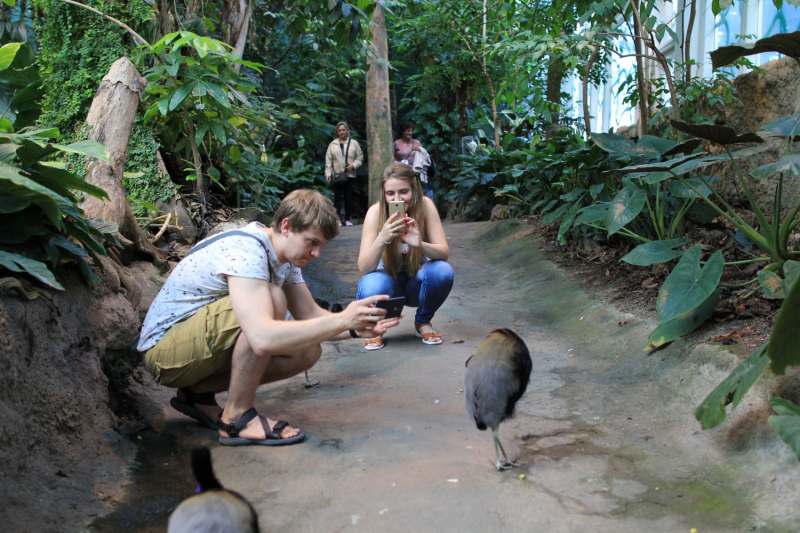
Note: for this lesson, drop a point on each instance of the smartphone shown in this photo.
(393, 306)
(398, 207)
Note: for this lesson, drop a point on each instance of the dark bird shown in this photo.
(213, 509)
(496, 378)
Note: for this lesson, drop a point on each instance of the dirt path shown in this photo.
(605, 434)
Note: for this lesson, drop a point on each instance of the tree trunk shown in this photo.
(110, 121)
(380, 151)
(235, 20)
(555, 75)
(641, 74)
(587, 118)
(687, 41)
(462, 103)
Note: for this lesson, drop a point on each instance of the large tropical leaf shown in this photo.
(625, 206)
(657, 143)
(651, 253)
(696, 164)
(723, 135)
(711, 412)
(787, 44)
(18, 263)
(684, 324)
(12, 204)
(19, 227)
(776, 287)
(686, 147)
(14, 183)
(788, 164)
(689, 284)
(90, 148)
(593, 213)
(7, 54)
(784, 343)
(657, 166)
(783, 127)
(619, 146)
(682, 190)
(787, 423)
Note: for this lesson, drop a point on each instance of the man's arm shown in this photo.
(303, 307)
(252, 304)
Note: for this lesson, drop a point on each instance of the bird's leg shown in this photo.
(308, 384)
(506, 464)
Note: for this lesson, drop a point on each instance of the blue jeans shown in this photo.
(426, 291)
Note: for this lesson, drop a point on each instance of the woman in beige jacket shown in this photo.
(335, 163)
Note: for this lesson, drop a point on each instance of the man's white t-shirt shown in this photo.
(202, 278)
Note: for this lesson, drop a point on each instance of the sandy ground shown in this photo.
(605, 435)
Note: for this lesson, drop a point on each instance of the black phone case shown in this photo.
(393, 306)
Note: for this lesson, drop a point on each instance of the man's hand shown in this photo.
(380, 328)
(362, 314)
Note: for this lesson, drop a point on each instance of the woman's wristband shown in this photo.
(353, 334)
(384, 242)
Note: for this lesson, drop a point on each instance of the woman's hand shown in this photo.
(417, 148)
(328, 178)
(349, 167)
(393, 227)
(412, 237)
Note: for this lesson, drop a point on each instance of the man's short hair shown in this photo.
(306, 209)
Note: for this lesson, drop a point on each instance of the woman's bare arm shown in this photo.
(436, 247)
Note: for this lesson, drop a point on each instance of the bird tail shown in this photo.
(203, 471)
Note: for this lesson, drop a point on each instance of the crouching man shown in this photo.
(218, 323)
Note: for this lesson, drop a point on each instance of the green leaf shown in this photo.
(554, 215)
(681, 190)
(784, 342)
(783, 127)
(619, 146)
(684, 324)
(711, 412)
(12, 204)
(625, 206)
(654, 252)
(788, 164)
(715, 133)
(90, 148)
(787, 44)
(66, 244)
(219, 132)
(18, 263)
(689, 284)
(16, 184)
(593, 213)
(776, 287)
(7, 54)
(44, 174)
(180, 94)
(657, 143)
(657, 166)
(236, 154)
(787, 423)
(20, 227)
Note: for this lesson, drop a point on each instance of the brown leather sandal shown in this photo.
(428, 338)
(373, 344)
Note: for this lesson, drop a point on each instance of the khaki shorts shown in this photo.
(195, 348)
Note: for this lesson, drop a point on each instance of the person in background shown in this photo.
(405, 256)
(409, 150)
(335, 164)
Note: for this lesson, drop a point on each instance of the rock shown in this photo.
(187, 231)
(764, 98)
(55, 406)
(500, 212)
(240, 219)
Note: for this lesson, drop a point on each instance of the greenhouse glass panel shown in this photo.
(774, 21)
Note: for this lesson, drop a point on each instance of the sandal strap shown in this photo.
(376, 340)
(234, 428)
(199, 398)
(426, 336)
(275, 432)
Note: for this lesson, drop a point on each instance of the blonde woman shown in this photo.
(343, 156)
(405, 256)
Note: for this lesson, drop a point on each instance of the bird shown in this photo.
(496, 378)
(213, 509)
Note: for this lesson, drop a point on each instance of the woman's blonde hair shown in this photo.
(416, 210)
(343, 123)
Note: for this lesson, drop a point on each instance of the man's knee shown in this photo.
(311, 356)
(279, 305)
